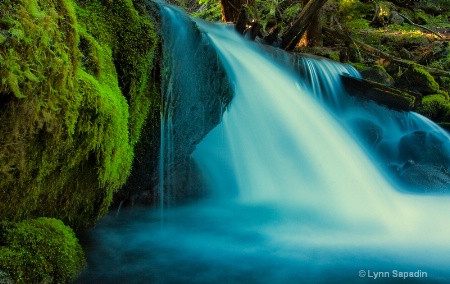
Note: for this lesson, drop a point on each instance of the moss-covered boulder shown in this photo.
(417, 79)
(41, 250)
(435, 107)
(377, 74)
(75, 91)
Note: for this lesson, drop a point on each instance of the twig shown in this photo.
(334, 34)
(422, 27)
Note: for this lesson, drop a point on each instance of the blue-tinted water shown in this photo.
(296, 196)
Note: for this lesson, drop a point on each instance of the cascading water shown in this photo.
(297, 194)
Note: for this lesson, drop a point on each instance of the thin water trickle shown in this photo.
(296, 194)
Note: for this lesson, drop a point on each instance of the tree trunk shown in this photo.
(232, 8)
(293, 35)
(313, 34)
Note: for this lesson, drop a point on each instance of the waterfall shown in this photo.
(301, 185)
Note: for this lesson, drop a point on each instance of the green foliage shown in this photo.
(75, 91)
(444, 64)
(280, 13)
(41, 250)
(210, 10)
(358, 66)
(351, 10)
(357, 24)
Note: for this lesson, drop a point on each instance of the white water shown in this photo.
(294, 196)
(277, 146)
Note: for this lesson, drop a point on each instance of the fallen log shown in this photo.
(338, 35)
(390, 97)
(293, 35)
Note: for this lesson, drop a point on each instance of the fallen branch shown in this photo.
(334, 35)
(293, 35)
(419, 26)
(391, 97)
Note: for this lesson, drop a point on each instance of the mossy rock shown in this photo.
(417, 79)
(41, 250)
(76, 89)
(377, 74)
(433, 106)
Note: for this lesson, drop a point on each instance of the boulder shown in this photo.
(190, 109)
(377, 74)
(395, 18)
(426, 178)
(367, 131)
(418, 80)
(427, 148)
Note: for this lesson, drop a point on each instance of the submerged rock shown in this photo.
(426, 178)
(368, 131)
(428, 148)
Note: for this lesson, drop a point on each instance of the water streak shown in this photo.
(297, 194)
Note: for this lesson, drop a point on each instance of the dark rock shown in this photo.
(427, 148)
(405, 54)
(426, 178)
(191, 107)
(388, 96)
(395, 18)
(386, 151)
(369, 132)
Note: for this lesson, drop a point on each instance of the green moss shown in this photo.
(351, 10)
(358, 66)
(212, 10)
(131, 38)
(76, 90)
(443, 63)
(42, 250)
(357, 24)
(433, 106)
(430, 82)
(445, 113)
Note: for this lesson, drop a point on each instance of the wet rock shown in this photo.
(393, 98)
(377, 74)
(369, 132)
(191, 107)
(427, 148)
(387, 151)
(426, 178)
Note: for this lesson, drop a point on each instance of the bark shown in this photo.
(390, 97)
(231, 9)
(242, 20)
(313, 34)
(293, 35)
